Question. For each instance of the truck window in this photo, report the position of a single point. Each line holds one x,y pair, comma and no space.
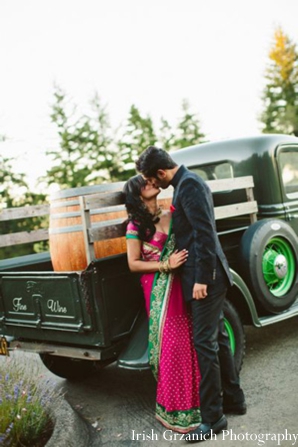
214,171
288,161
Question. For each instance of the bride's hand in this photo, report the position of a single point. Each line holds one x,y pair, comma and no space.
178,258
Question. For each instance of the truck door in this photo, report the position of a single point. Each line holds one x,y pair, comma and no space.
287,162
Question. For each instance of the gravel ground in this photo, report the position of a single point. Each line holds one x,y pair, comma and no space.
120,403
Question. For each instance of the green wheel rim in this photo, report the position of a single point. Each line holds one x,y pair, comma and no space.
231,335
278,266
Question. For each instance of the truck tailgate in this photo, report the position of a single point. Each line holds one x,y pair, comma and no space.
95,307
44,300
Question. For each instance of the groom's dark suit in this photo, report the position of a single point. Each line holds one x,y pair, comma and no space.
194,229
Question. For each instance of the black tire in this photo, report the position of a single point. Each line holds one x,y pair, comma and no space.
235,331
269,263
68,368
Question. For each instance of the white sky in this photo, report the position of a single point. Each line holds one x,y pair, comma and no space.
149,53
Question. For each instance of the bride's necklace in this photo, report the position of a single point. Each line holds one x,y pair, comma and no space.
156,215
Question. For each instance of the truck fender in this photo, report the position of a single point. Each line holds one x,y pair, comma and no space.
240,284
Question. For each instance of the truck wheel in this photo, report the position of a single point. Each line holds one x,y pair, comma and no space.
269,263
68,368
235,331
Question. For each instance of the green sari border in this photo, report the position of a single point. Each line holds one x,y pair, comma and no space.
160,294
179,420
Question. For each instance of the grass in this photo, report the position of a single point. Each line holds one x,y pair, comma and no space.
27,400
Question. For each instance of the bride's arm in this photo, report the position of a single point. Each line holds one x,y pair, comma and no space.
136,264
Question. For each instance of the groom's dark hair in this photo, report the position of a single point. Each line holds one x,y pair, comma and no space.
153,159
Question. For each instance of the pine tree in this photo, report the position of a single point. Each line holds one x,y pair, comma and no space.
84,155
14,192
135,136
188,130
280,96
166,135
10,182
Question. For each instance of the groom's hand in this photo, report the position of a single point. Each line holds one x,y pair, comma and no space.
199,291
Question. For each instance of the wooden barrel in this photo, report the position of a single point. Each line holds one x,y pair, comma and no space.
66,233
67,247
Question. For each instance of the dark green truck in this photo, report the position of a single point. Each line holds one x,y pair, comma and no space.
79,321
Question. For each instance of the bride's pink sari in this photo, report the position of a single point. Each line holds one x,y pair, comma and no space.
172,356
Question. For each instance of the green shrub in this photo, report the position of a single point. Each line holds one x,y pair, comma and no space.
27,400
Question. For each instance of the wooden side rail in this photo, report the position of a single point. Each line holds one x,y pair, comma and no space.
23,237
23,212
113,202
110,200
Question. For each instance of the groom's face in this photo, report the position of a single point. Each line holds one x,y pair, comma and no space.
160,181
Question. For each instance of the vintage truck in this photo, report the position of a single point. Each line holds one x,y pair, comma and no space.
80,308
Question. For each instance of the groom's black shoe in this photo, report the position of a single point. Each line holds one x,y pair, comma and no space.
205,430
239,408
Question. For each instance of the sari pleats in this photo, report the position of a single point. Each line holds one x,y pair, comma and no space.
171,353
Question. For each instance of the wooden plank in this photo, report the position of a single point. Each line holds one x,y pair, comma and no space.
111,229
24,212
112,202
250,198
87,190
249,194
24,237
86,223
231,184
102,200
237,209
108,230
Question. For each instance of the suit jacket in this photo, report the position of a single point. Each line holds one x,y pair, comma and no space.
194,229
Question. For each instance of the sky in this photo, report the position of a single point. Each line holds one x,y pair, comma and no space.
152,54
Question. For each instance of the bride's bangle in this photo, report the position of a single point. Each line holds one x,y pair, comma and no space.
169,265
164,266
161,266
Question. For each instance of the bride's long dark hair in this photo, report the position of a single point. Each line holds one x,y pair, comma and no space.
136,210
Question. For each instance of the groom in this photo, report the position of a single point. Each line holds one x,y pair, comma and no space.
205,279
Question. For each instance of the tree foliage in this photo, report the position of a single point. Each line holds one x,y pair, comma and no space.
280,96
188,130
84,155
136,134
166,135
15,192
12,184
91,152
